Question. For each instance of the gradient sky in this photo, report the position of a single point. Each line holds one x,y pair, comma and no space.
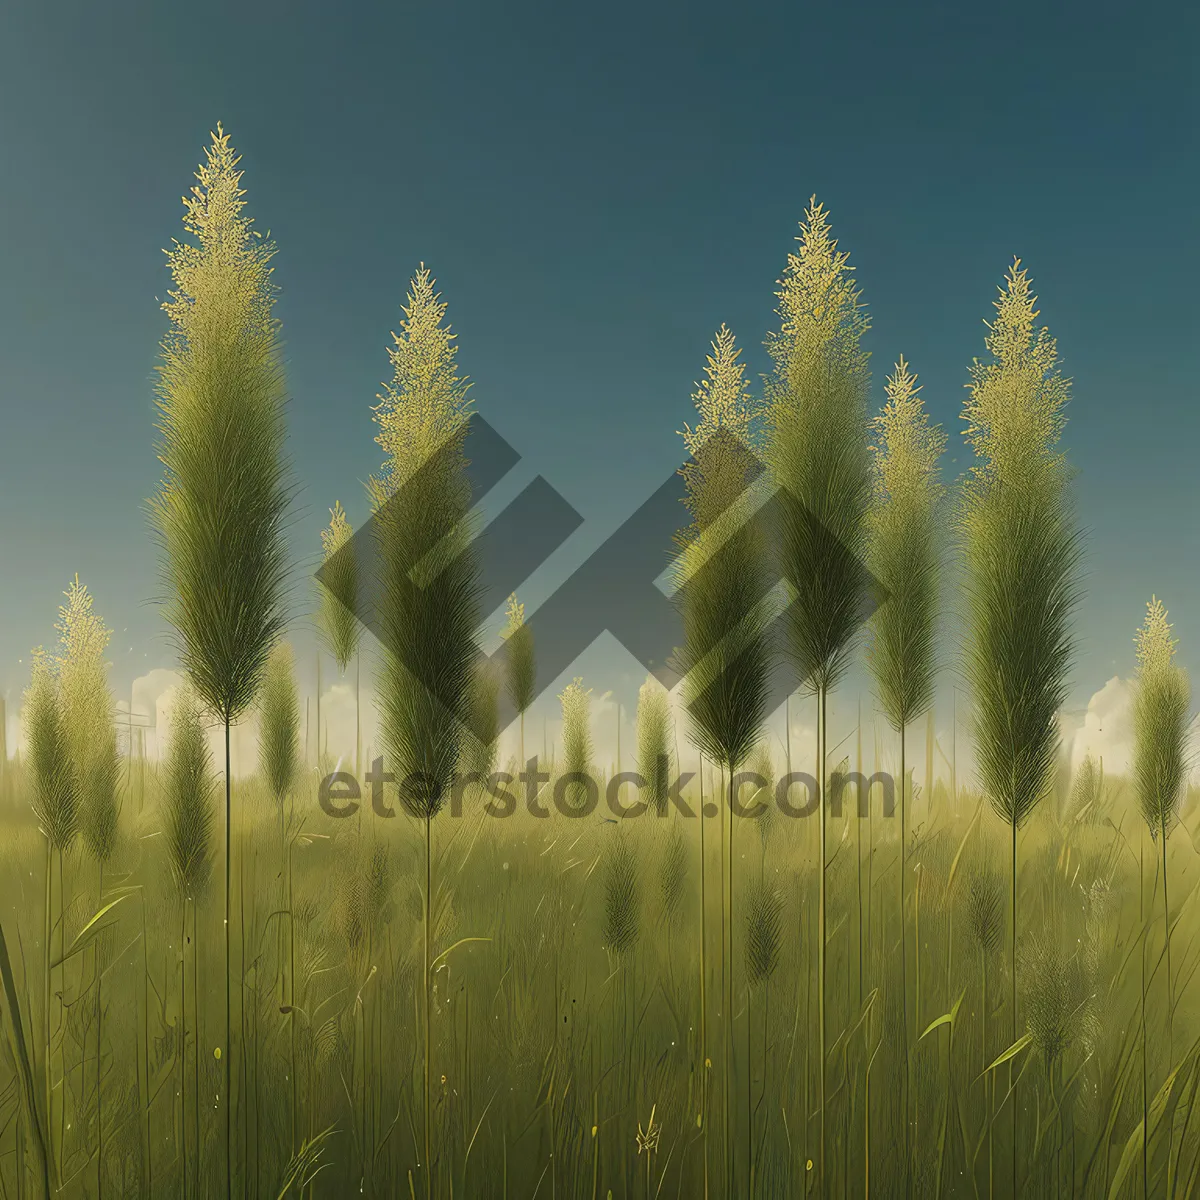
596,190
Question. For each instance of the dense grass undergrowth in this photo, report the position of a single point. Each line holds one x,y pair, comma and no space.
566,1020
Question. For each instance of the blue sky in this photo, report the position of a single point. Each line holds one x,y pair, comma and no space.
596,191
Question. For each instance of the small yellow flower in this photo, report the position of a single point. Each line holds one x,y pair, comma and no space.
594,1128
217,1052
808,1165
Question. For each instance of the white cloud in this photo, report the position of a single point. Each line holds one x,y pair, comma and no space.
1107,728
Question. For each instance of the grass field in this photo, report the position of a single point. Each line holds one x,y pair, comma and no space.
551,1048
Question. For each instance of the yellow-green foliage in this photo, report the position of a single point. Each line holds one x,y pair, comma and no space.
904,549
654,736
721,570
520,657
817,448
428,612
426,402
279,723
88,713
1160,721
220,510
339,624
576,702
1021,547
55,784
188,791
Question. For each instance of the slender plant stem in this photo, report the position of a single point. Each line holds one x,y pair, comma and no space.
1145,1093
228,1078
196,1042
823,1181
100,1047
428,1005
905,1099
987,1081
49,1081
729,995
183,1043
1013,997
703,987
1162,829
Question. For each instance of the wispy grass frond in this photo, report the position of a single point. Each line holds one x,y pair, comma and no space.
224,497
1021,546
222,503
1087,792
1015,413
721,568
339,625
1057,990
576,702
724,597
88,713
985,909
817,398
1160,722
279,723
521,675
764,932
430,592
188,792
426,402
1022,550
622,896
55,784
655,729
673,871
905,550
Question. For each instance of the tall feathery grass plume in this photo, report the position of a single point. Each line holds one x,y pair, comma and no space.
520,664
89,717
189,822
724,586
189,816
904,552
429,589
48,755
655,730
279,725
1021,549
1162,698
221,507
575,702
818,453
338,624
